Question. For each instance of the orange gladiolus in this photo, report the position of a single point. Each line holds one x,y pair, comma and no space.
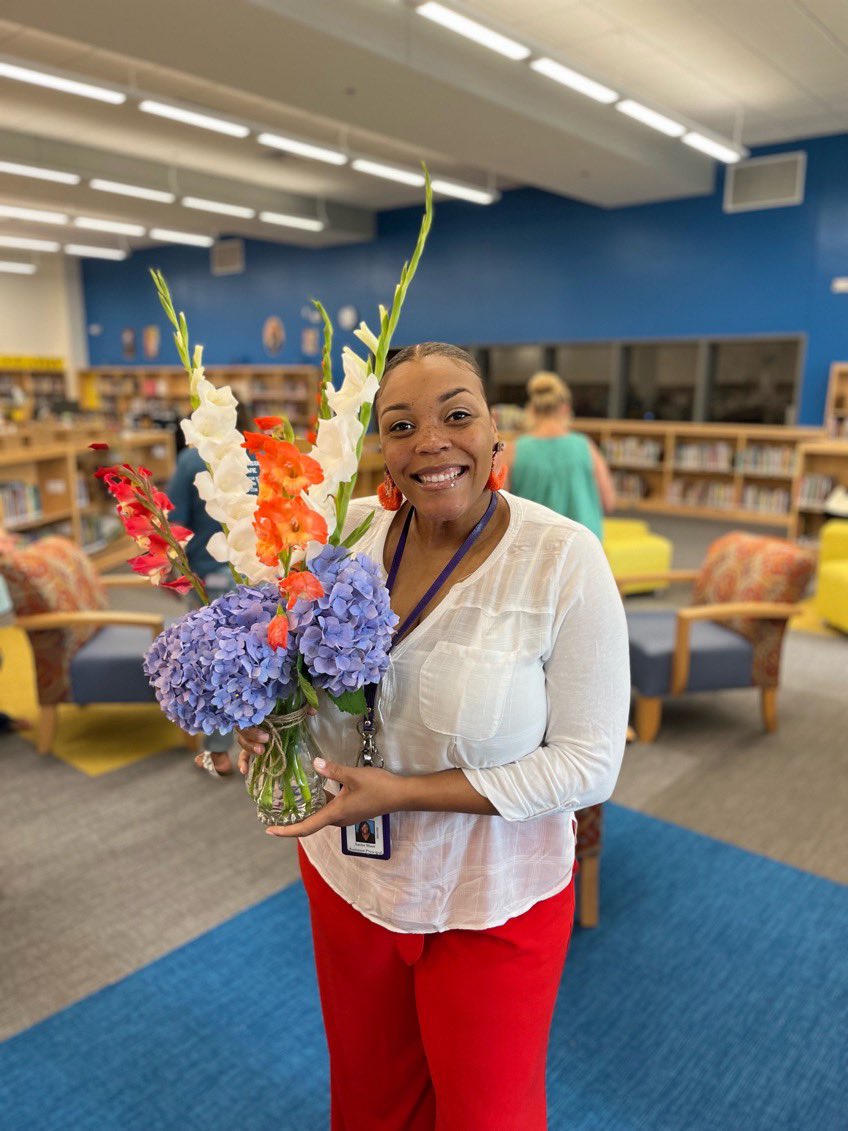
278,631
283,524
300,583
281,466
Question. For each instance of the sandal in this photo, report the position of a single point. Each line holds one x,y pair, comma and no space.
205,763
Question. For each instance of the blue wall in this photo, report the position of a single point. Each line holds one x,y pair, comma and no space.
534,267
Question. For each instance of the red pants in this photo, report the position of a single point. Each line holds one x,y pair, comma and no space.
438,1032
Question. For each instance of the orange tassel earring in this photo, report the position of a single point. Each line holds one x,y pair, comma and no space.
389,493
497,478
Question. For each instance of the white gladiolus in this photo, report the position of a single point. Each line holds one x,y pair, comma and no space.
366,336
359,387
225,487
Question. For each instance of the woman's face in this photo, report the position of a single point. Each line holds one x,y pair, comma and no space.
437,435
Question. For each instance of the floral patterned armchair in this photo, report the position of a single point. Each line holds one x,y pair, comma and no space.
730,636
83,652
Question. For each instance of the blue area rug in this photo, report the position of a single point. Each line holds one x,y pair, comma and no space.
713,996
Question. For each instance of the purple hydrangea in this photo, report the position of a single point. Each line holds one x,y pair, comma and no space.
345,635
213,669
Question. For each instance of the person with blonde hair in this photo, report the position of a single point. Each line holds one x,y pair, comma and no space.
555,466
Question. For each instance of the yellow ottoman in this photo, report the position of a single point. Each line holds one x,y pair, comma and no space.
832,594
632,548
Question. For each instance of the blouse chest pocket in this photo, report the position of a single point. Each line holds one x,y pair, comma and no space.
463,690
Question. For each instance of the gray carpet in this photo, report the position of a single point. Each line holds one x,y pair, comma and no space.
99,876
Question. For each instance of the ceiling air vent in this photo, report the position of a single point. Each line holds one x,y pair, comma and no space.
765,182
226,257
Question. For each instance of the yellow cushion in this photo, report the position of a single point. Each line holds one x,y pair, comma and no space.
615,528
832,594
645,553
834,541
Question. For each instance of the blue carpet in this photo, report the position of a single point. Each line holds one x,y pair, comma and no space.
712,996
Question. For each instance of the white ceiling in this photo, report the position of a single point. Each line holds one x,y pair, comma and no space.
375,79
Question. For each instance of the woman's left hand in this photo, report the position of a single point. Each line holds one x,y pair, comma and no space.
368,793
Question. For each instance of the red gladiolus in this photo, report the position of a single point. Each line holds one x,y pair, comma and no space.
301,583
155,567
179,585
312,437
99,447
278,631
266,423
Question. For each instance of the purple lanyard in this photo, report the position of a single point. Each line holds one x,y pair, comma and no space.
367,724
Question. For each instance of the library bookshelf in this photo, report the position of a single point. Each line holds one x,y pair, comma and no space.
47,485
736,473
758,475
822,466
29,385
264,390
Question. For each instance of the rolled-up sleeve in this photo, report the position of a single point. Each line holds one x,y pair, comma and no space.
587,686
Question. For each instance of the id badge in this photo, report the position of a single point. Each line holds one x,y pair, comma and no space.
368,838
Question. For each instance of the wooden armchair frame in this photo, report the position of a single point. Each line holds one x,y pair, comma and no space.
649,708
48,716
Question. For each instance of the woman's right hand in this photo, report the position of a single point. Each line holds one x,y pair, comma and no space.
252,741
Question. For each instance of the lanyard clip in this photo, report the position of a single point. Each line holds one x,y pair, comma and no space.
369,755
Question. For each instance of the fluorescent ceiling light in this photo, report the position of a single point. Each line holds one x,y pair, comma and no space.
651,118
303,149
16,170
24,243
115,226
193,118
214,206
453,21
713,148
556,71
56,82
94,252
190,238
132,190
12,268
388,172
464,192
303,222
36,215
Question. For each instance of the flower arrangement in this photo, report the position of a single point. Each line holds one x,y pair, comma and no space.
307,612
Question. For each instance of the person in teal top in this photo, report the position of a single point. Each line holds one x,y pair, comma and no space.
552,465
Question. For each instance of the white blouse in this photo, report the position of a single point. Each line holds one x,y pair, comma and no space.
519,677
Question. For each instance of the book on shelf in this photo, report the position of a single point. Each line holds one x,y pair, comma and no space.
647,452
710,496
771,459
814,489
766,500
716,455
20,502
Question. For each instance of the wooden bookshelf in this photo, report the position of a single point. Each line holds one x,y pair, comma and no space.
750,474
822,466
30,386
138,391
50,488
836,404
735,473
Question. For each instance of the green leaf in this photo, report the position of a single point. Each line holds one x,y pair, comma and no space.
356,534
353,702
307,689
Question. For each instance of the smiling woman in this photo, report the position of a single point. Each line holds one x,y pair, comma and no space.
502,713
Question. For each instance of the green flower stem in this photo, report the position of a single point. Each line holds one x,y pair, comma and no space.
324,411
377,365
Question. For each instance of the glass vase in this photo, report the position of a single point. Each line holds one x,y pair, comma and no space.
281,780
